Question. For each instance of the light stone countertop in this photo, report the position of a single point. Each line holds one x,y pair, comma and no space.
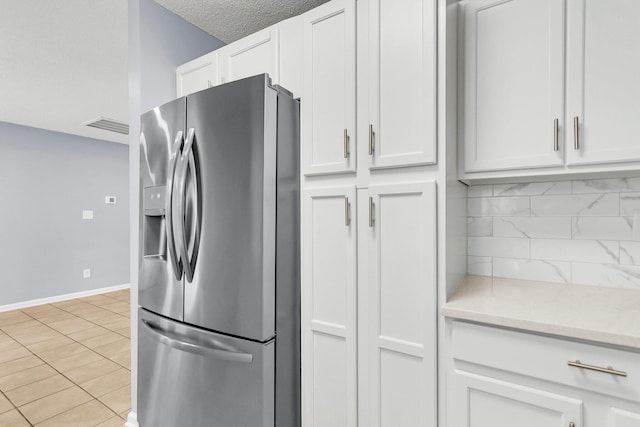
599,314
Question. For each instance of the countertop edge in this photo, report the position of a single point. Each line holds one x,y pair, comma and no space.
525,325
491,300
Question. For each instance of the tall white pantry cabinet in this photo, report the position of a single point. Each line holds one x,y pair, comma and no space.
371,175
369,214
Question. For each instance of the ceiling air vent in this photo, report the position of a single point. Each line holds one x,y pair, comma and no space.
108,124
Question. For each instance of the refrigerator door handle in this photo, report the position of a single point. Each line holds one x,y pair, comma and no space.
188,254
211,350
171,244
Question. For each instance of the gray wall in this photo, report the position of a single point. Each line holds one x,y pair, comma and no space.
166,41
159,41
46,180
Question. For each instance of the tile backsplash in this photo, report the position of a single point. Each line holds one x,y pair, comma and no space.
583,232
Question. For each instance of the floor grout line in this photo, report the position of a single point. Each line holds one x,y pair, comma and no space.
15,407
61,373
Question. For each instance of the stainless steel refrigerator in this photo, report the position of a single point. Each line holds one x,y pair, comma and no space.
219,283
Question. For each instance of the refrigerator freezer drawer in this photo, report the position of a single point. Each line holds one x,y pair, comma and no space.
191,377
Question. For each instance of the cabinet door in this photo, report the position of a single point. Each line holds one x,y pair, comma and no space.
622,418
196,75
487,402
513,84
603,88
290,35
401,305
402,83
328,108
251,55
329,373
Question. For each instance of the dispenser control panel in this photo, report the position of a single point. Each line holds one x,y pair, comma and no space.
154,200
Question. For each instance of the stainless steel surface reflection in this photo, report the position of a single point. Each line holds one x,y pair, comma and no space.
219,328
159,289
196,378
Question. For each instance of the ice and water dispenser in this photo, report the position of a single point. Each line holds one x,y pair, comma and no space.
154,234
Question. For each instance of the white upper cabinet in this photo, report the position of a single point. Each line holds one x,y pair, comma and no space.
329,307
401,44
523,111
513,84
276,50
197,75
400,307
328,107
603,81
251,55
290,36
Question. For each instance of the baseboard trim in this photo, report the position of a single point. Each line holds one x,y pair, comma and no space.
132,420
58,298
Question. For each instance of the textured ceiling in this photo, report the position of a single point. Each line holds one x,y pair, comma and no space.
230,20
63,62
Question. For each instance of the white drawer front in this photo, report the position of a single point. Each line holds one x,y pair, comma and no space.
547,358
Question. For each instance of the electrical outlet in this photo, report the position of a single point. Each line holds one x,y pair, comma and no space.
110,200
86,273
87,214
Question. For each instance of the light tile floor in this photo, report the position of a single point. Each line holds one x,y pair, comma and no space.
66,364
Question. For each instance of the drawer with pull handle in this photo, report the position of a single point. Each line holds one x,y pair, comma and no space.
600,369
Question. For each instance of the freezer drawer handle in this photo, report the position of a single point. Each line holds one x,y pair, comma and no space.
199,349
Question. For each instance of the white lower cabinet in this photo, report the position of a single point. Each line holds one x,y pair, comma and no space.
369,345
500,377
329,353
397,302
488,402
622,418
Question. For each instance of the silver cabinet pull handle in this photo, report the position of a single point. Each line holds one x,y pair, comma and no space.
347,217
370,211
346,144
572,424
576,133
556,126
372,148
607,370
